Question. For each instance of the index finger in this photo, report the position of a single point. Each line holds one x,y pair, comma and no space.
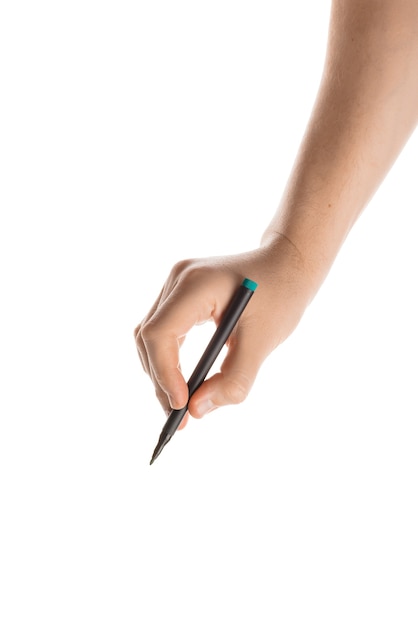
163,333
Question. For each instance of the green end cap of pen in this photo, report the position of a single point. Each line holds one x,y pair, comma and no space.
250,284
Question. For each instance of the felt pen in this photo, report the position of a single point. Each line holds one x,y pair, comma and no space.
229,319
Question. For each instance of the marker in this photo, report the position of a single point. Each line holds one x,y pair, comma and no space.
215,345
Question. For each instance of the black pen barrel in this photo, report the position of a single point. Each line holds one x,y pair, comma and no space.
215,345
173,421
229,319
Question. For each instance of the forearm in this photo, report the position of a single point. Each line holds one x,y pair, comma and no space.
366,108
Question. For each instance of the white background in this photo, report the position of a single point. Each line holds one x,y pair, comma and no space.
133,135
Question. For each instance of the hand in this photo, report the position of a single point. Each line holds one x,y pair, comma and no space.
198,290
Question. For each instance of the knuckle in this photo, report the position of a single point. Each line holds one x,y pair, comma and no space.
192,272
181,267
236,390
183,271
149,331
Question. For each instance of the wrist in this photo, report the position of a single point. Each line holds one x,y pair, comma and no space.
306,266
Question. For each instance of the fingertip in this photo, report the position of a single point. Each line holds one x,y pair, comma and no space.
178,397
199,407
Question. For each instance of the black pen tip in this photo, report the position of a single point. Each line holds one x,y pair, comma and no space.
156,453
160,445
154,456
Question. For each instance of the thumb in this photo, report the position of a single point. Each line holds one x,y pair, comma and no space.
232,384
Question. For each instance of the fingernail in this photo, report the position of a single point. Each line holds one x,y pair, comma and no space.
205,406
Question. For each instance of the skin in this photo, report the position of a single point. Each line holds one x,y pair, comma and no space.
366,109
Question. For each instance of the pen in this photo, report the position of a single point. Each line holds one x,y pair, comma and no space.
230,318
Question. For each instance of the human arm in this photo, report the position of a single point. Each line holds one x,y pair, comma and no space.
366,108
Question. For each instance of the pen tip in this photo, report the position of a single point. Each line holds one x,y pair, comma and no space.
164,439
154,456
